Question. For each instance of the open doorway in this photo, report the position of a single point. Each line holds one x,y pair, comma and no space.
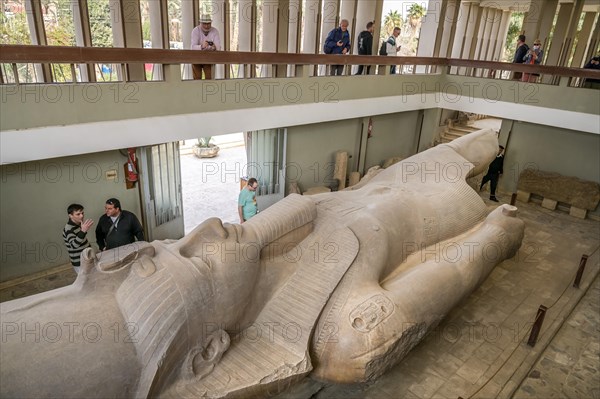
210,186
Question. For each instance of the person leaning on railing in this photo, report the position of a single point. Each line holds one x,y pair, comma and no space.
592,83
205,38
533,56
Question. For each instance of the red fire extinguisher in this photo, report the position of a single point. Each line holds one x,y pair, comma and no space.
132,170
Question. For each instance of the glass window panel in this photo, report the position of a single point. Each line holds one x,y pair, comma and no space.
14,28
100,23
175,30
58,22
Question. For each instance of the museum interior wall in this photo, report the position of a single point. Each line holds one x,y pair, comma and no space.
546,148
33,203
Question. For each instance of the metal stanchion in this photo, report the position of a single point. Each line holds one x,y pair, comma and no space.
582,263
513,199
537,325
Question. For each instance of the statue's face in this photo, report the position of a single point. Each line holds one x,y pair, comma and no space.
228,265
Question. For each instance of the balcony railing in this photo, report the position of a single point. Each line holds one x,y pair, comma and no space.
53,64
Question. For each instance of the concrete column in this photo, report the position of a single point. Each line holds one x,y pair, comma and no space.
571,33
37,33
483,16
295,12
444,25
449,32
283,28
159,31
533,18
294,33
116,23
311,18
159,24
546,22
83,36
557,47
216,9
268,39
246,13
502,32
429,28
584,40
348,10
472,28
244,25
365,12
431,24
127,32
487,33
461,30
494,36
594,45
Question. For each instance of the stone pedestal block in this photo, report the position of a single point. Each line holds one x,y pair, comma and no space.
567,189
549,204
354,179
523,196
578,212
341,165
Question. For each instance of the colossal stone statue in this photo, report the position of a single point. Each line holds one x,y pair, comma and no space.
340,285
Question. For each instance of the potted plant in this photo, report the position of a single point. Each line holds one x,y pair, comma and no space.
205,149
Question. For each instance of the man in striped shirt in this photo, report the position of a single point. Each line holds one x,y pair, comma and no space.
75,233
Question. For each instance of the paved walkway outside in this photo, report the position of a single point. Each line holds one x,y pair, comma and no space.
211,185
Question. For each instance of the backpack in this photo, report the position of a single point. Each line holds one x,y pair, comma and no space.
361,42
333,33
383,48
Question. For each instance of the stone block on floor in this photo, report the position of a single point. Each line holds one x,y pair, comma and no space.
523,196
549,204
578,212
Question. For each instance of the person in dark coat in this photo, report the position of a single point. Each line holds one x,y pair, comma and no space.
493,174
592,83
522,49
338,42
117,227
365,45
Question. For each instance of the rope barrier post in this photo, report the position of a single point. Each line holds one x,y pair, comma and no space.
513,199
582,263
537,326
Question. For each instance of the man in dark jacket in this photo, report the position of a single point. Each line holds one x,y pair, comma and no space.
520,52
338,42
592,83
117,227
365,46
493,174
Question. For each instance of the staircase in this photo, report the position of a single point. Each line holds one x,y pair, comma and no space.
457,128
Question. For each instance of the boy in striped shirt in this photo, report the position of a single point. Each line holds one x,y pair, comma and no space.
75,233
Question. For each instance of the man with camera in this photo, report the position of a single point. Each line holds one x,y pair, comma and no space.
205,38
338,42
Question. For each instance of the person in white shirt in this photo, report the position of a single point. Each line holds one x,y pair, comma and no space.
205,38
392,47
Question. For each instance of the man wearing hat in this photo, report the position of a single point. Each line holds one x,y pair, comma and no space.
205,38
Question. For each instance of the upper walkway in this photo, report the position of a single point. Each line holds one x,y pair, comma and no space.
39,120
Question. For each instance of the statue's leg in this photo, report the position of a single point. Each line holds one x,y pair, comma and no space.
378,322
